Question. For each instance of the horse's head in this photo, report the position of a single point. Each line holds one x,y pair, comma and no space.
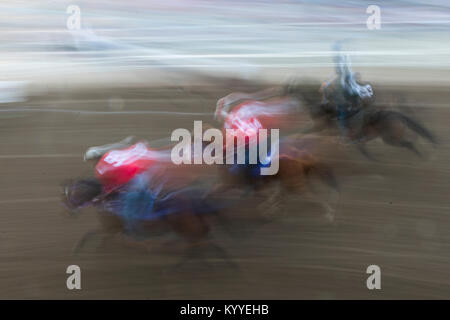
79,193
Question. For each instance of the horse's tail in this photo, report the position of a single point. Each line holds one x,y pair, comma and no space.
414,126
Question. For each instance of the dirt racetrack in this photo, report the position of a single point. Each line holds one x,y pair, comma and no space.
395,214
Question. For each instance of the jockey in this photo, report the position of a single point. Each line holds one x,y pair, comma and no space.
118,163
245,122
245,126
135,174
118,167
251,115
142,183
271,112
344,94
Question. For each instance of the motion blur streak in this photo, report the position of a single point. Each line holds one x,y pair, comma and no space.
363,175
237,37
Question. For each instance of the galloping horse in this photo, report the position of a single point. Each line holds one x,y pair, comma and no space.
365,124
163,198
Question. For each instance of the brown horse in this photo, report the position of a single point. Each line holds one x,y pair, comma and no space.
297,164
298,169
189,219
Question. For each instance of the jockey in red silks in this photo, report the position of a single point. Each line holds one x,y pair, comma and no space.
253,114
116,168
248,118
119,163
143,182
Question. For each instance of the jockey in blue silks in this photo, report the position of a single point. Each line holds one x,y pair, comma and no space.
344,94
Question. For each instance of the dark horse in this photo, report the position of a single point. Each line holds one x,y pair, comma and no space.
365,123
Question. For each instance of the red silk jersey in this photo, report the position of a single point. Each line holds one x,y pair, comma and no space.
250,116
244,118
247,118
245,122
117,167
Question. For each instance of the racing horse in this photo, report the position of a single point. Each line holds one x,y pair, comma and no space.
157,201
365,124
298,168
247,113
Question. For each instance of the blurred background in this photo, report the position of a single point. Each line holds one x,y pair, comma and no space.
55,42
79,73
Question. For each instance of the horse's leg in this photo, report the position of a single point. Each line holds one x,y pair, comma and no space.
403,143
227,181
110,225
201,252
218,189
411,146
325,173
194,230
393,131
85,238
223,254
226,223
328,211
105,237
394,135
317,126
363,149
290,179
273,205
305,188
327,177
325,208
